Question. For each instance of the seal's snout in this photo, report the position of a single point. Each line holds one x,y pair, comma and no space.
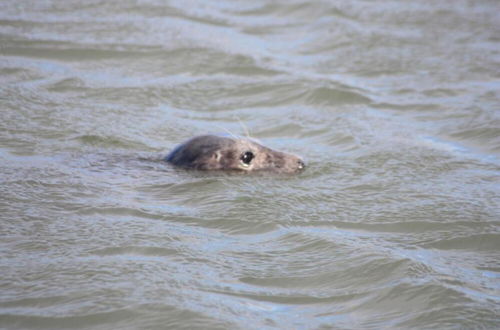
301,165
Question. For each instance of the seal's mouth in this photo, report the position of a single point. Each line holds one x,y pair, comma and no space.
301,165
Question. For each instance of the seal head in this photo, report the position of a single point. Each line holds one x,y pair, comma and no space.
211,152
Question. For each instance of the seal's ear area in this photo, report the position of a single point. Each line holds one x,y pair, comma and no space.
217,156
209,161
228,159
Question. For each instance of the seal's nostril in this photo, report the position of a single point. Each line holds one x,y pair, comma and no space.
300,164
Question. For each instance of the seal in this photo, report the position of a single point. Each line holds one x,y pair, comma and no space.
211,152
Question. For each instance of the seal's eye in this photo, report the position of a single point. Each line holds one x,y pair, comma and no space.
247,157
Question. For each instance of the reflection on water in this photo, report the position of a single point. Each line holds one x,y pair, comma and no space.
394,224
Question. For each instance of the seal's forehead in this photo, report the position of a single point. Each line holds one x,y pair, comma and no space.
245,144
211,141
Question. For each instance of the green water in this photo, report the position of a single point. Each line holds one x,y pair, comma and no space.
394,105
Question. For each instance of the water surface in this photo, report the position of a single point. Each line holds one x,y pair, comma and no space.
394,105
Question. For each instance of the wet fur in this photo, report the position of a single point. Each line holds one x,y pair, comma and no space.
210,152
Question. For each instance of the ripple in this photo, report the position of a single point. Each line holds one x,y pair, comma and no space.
329,96
393,106
145,251
107,142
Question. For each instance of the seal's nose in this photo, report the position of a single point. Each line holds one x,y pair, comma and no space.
300,164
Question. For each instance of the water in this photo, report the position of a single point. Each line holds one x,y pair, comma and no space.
394,105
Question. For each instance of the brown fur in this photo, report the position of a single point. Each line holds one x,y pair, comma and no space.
210,152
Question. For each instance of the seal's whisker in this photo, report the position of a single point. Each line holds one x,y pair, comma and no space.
245,128
234,137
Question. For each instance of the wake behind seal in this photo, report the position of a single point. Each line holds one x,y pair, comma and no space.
211,152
